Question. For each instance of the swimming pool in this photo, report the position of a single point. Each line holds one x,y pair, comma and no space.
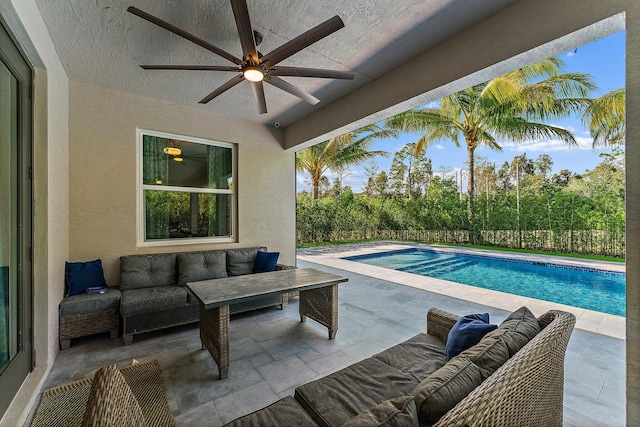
588,288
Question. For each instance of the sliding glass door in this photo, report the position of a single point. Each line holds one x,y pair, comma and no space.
15,221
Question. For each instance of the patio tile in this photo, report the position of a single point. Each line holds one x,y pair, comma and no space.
286,373
244,401
203,415
331,362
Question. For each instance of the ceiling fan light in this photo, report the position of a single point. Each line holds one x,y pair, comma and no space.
178,159
253,73
172,151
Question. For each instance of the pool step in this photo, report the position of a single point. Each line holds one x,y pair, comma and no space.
441,268
431,264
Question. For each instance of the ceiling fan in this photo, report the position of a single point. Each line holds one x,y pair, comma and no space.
253,66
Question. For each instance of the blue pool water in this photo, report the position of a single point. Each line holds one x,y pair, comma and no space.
578,287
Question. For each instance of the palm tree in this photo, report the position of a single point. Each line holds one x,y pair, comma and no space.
606,118
340,152
514,107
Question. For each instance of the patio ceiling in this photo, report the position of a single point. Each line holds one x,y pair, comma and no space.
100,43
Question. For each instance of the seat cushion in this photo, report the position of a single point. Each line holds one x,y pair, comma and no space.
335,399
240,261
111,401
284,413
147,271
146,299
85,303
398,412
419,356
195,266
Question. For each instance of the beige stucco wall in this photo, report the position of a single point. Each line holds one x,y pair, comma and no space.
103,187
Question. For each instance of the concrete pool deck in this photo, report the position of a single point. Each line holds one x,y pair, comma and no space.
588,320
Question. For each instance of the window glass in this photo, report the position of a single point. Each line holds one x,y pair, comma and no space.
187,188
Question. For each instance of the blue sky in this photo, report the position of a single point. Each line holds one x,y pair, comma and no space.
603,59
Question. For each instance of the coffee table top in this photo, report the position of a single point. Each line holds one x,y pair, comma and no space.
229,290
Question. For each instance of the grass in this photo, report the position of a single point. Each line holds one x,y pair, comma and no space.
493,248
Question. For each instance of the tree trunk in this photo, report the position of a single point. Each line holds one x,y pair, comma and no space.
315,188
470,192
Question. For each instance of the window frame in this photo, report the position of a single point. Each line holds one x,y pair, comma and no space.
141,225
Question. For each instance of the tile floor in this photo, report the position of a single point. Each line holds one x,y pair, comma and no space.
272,353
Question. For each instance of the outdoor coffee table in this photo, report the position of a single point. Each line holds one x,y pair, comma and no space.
318,301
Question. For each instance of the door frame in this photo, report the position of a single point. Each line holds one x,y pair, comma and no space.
19,367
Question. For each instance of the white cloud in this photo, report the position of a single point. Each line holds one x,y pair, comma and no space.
440,147
570,54
584,143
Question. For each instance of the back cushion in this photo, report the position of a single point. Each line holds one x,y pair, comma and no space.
240,261
447,386
517,329
195,266
145,271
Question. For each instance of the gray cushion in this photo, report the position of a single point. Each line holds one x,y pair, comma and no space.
195,266
240,261
443,389
161,297
340,396
398,412
146,271
517,329
419,356
84,303
285,412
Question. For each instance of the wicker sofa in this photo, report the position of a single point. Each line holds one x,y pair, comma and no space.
153,291
152,294
513,377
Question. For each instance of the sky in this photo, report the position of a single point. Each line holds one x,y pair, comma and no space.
603,59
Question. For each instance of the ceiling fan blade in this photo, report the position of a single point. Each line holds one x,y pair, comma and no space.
245,31
190,67
311,72
293,90
175,30
258,91
305,39
228,85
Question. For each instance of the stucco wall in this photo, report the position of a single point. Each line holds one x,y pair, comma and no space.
103,187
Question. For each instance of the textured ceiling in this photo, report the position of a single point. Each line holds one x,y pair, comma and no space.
100,43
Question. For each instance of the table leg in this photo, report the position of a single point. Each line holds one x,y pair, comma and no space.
214,335
321,305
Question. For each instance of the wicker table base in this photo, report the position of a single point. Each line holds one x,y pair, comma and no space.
318,301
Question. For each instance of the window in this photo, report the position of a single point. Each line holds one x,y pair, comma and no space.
187,189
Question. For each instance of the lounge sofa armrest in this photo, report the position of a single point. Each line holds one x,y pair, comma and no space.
440,322
282,267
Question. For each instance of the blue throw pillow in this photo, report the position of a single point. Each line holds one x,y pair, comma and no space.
82,275
467,332
265,261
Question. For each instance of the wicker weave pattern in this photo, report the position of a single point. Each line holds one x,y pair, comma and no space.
214,334
64,406
527,389
321,305
80,325
440,322
111,401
